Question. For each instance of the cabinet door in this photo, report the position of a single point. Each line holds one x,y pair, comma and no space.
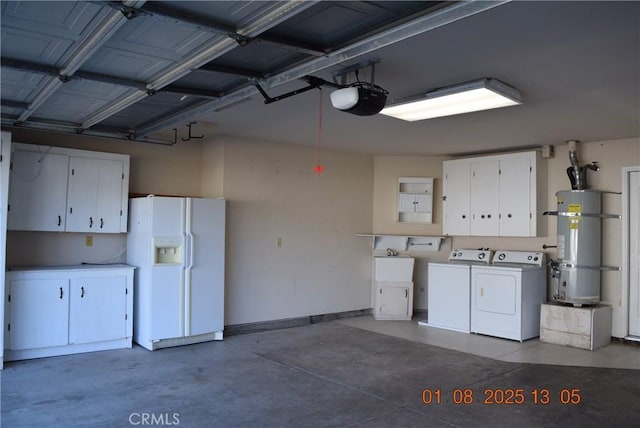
38,191
406,202
109,192
39,313
456,205
95,195
97,309
423,203
393,301
82,198
515,196
485,188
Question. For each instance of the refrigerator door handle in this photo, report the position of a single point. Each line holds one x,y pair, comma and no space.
188,265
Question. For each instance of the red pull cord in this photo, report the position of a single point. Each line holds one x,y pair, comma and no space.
319,168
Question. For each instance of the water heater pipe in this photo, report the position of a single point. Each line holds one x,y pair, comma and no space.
577,174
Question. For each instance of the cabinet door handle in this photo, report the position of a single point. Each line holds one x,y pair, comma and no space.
101,222
82,292
464,216
59,220
61,292
509,215
90,222
488,215
406,293
482,216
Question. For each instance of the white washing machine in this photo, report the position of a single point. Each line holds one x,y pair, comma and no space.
449,290
506,295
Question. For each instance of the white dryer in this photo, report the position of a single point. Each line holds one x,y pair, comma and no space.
506,295
449,290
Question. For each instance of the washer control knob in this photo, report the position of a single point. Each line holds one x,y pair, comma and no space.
530,258
501,256
535,259
481,256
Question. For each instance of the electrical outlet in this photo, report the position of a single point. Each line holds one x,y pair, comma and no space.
88,241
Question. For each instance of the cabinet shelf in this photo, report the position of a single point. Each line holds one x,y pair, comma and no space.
405,242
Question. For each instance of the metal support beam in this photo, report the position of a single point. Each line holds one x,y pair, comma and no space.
278,12
419,25
14,104
161,12
32,67
86,47
67,128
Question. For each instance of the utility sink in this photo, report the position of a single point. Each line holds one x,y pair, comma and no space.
394,268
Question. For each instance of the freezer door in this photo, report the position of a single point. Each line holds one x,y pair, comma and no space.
166,302
204,291
168,217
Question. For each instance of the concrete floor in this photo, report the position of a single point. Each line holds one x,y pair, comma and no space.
614,355
322,375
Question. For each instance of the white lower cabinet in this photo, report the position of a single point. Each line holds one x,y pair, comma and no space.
66,310
393,294
39,311
394,301
97,309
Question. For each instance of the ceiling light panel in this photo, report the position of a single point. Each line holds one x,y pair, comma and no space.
478,95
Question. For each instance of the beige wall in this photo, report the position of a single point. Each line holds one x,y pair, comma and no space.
272,192
612,156
321,266
385,191
212,169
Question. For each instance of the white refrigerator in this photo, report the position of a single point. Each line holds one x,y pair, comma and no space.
178,248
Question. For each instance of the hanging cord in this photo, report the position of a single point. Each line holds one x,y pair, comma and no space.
319,168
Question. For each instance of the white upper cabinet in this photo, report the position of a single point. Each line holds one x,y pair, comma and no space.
484,197
415,199
517,207
498,195
456,200
94,201
68,190
37,190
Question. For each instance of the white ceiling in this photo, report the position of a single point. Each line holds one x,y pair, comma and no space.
576,64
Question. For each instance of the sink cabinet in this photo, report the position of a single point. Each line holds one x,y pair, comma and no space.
393,292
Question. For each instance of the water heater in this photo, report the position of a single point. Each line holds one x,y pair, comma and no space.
579,235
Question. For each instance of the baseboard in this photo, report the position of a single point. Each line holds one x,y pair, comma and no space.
419,313
255,327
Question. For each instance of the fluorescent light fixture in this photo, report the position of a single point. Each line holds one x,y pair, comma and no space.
478,95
